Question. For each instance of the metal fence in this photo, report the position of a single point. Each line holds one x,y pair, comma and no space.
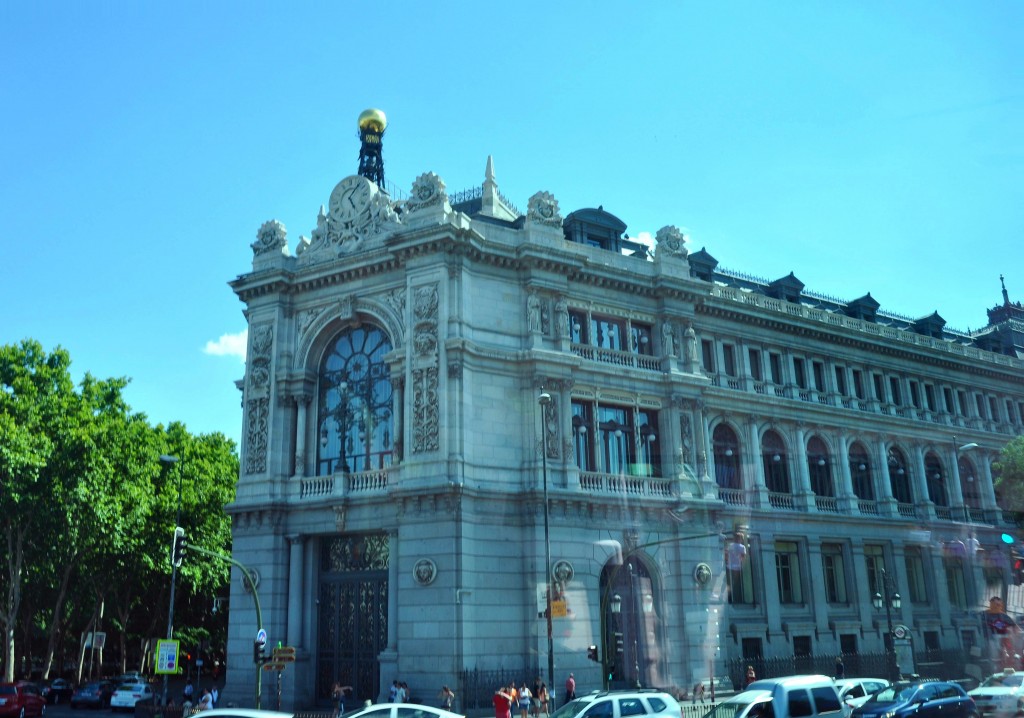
476,686
946,664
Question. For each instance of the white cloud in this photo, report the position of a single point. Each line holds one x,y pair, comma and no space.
229,345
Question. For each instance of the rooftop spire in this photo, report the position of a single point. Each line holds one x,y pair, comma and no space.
1006,296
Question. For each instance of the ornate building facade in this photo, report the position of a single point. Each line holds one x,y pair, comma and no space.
733,466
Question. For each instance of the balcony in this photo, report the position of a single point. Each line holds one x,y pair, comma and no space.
622,484
363,483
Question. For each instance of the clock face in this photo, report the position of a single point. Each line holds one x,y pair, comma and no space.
350,200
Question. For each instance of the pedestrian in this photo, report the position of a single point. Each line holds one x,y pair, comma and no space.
214,696
404,696
205,701
524,701
338,697
751,676
570,688
186,696
447,697
393,692
544,698
502,703
698,691
840,668
535,705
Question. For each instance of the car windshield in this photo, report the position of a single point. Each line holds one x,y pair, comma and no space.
572,708
728,709
1003,680
893,694
7,691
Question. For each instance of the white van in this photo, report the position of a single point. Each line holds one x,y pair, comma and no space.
789,697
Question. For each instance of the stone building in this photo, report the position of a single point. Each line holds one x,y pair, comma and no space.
733,466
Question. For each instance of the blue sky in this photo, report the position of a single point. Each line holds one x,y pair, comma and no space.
864,146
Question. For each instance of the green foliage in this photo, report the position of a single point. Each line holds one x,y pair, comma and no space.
80,474
1009,477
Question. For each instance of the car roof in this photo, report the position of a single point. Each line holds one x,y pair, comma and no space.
792,681
245,713
750,696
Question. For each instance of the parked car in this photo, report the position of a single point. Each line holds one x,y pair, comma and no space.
1000,695
617,704
747,704
855,691
393,710
245,713
130,677
128,695
59,691
919,699
21,700
807,696
93,695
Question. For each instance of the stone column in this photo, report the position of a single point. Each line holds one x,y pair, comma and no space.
955,488
758,488
393,560
883,482
296,599
847,499
920,479
301,411
805,496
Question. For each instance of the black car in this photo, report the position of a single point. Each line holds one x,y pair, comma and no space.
920,699
59,691
93,695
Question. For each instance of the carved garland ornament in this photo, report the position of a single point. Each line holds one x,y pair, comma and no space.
257,407
425,370
542,208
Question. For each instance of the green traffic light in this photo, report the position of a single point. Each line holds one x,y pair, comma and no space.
1008,539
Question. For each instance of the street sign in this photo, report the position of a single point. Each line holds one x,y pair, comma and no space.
284,654
261,637
558,609
274,666
166,657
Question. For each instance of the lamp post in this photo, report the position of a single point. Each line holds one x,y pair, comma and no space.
891,602
544,399
167,461
957,450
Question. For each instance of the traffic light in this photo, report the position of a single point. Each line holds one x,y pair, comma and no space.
592,654
1017,566
618,643
178,547
257,653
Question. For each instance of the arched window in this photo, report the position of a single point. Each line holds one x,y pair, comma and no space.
899,477
860,472
355,414
936,480
726,449
776,463
969,483
819,467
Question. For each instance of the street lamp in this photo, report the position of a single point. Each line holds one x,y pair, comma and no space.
166,462
544,399
957,450
892,602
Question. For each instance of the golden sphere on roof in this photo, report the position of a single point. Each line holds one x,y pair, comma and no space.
372,120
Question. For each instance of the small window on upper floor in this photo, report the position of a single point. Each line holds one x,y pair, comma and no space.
915,394
894,389
858,383
841,380
608,333
578,327
961,397
707,355
756,370
993,408
799,372
929,396
979,400
818,369
775,364
729,359
1010,414
879,387
640,339
947,397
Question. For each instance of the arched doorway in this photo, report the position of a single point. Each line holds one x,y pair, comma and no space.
632,631
353,613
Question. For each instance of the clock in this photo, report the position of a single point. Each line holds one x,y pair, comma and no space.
350,200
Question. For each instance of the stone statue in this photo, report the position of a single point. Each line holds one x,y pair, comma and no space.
562,317
689,349
533,312
667,339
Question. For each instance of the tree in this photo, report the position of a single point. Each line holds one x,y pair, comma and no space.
1009,483
80,475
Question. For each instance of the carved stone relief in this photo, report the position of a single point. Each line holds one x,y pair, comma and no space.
426,412
257,407
671,242
271,237
542,208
